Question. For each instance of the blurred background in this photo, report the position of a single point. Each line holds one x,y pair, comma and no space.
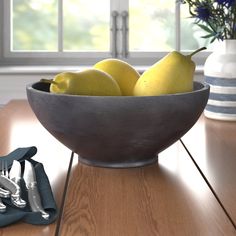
86,25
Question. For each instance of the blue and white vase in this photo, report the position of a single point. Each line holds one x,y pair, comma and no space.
220,74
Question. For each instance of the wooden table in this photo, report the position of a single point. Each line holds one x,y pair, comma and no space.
190,191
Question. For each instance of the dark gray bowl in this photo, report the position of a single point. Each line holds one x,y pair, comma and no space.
117,131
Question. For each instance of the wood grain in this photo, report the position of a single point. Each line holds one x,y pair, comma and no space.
212,144
169,198
20,128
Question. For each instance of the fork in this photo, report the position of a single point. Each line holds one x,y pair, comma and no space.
10,185
3,192
4,168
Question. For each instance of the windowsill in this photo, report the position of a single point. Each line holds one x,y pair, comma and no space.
12,70
37,69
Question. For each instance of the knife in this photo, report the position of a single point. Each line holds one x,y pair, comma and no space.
15,176
33,193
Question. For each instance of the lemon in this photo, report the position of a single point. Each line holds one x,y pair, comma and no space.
91,82
124,74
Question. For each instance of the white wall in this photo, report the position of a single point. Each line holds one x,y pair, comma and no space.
14,79
14,86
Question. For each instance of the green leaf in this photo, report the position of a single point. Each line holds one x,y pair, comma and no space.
213,39
208,36
205,28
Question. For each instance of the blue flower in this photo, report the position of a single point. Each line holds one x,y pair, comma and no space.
226,2
216,17
203,13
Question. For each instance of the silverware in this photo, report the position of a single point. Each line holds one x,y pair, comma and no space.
10,185
4,193
33,193
15,176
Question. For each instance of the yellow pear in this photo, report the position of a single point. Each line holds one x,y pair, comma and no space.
124,74
86,82
172,74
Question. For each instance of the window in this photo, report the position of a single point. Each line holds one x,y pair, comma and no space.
83,31
46,26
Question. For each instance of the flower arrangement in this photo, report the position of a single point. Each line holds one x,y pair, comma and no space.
216,17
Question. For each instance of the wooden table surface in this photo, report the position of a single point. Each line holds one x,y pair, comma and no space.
212,145
190,191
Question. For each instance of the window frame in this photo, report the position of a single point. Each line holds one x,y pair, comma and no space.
40,54
80,57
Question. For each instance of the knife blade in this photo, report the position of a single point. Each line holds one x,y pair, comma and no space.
15,176
32,188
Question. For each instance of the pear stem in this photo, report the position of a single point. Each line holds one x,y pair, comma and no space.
49,81
196,51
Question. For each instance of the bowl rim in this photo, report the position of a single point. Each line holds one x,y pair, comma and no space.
204,87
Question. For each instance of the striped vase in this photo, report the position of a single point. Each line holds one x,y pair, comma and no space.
220,74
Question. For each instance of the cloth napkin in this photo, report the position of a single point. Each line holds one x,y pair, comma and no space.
14,214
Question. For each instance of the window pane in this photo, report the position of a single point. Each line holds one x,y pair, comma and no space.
86,25
191,34
34,25
151,25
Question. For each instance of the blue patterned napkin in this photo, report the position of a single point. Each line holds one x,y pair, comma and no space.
14,214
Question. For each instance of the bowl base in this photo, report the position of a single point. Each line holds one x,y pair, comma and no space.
118,164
